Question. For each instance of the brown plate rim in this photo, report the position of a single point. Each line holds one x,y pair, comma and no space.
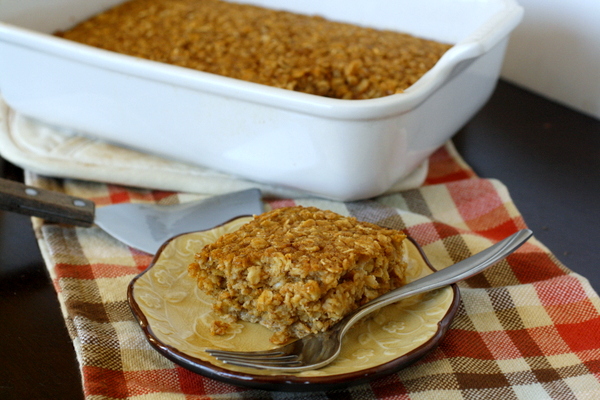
290,383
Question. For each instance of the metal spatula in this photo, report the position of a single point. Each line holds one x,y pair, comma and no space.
142,226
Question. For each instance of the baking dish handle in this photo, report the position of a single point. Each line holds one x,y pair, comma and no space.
497,28
463,53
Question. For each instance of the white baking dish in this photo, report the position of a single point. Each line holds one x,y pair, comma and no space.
342,149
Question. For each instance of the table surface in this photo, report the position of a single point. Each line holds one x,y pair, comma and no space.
547,155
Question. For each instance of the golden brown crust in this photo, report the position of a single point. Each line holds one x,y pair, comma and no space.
298,270
219,328
282,49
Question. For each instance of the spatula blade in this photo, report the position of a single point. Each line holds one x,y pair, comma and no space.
147,226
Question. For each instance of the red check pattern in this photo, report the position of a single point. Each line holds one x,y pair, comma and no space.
527,328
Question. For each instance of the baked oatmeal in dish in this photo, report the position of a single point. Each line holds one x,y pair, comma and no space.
292,51
298,270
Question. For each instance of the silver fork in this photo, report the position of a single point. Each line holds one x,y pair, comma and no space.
318,350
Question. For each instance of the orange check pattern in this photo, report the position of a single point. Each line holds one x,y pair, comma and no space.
527,328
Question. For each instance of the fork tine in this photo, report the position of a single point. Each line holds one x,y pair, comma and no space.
265,361
278,358
263,364
248,354
255,359
259,359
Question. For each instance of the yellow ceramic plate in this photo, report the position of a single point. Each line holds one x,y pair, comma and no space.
176,316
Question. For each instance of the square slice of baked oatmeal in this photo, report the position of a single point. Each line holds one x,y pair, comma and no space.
298,270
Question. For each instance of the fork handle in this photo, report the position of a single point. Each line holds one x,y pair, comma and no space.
447,276
46,204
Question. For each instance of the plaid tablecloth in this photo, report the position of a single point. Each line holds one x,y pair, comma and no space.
527,328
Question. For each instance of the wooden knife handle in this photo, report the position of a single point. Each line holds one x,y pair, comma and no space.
46,204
